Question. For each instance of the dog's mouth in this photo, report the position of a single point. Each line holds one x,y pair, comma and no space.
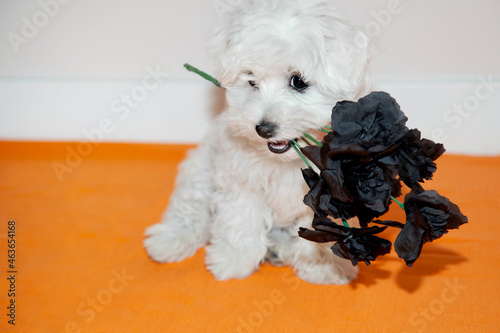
279,147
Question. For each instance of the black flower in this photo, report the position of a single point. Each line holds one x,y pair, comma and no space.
428,217
322,201
358,159
351,182
362,162
416,158
375,119
355,244
372,185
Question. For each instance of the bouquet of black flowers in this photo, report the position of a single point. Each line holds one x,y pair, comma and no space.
366,154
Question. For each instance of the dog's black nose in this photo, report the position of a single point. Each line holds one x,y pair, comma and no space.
266,130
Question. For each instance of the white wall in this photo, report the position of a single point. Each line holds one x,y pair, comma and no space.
74,71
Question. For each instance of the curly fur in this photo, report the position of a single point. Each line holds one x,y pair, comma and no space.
233,193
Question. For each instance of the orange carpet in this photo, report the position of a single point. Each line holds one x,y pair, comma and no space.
80,211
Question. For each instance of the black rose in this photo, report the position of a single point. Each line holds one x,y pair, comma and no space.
362,162
355,244
322,201
352,183
416,158
372,185
428,217
375,119
358,160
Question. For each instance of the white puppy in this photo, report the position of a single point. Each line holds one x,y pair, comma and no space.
284,64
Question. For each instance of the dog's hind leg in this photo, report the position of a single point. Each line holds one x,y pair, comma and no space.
184,226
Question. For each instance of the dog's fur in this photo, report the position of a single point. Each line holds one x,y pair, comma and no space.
233,193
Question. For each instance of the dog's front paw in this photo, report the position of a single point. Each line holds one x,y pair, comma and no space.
226,262
167,244
317,264
328,272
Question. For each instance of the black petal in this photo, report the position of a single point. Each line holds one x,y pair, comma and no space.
374,119
310,176
355,244
428,217
362,248
317,236
416,158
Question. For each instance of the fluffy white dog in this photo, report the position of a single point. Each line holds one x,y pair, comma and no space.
284,64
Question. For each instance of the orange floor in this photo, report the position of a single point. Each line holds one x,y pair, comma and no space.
81,266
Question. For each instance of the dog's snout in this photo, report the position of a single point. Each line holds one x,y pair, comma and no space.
266,130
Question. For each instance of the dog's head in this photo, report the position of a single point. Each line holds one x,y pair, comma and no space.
284,65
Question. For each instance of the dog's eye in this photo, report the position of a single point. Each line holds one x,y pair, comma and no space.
252,83
297,83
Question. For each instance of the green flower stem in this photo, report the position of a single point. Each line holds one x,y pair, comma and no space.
296,146
310,137
325,131
345,224
329,128
202,74
399,203
305,140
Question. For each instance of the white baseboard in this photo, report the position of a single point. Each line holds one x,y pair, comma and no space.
463,113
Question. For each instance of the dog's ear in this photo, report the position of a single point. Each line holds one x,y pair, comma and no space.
360,49
219,40
349,50
224,41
